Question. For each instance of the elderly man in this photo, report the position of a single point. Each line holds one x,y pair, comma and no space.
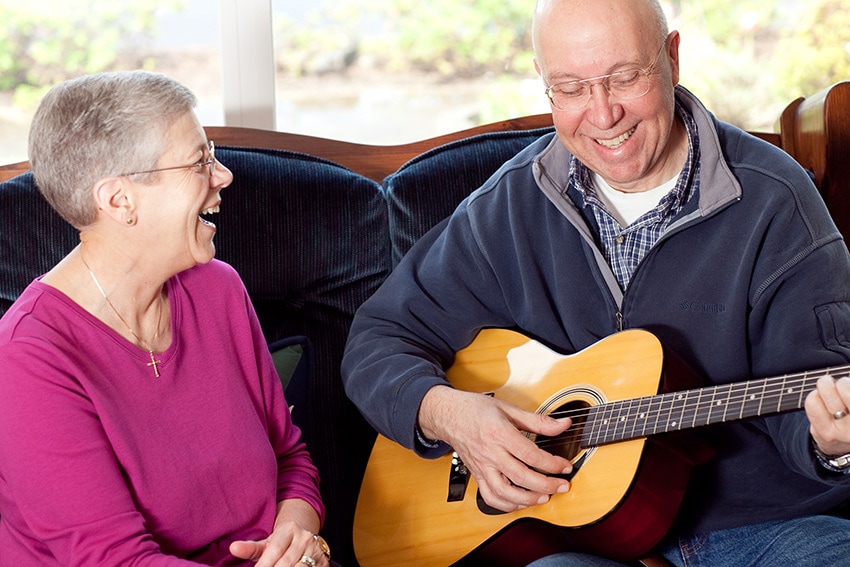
641,205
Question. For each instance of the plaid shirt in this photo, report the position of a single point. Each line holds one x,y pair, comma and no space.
624,248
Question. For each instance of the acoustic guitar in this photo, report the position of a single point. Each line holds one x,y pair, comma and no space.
626,485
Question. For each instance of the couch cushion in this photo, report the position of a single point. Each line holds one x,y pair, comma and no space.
429,187
293,361
33,237
290,357
310,240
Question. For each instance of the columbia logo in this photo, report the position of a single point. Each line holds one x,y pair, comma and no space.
702,307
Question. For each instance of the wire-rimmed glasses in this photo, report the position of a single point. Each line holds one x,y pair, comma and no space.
209,163
624,85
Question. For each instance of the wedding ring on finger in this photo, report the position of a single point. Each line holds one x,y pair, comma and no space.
323,545
839,414
307,560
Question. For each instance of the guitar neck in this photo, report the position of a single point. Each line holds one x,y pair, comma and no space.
674,411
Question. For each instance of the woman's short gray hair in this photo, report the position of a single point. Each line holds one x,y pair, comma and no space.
98,126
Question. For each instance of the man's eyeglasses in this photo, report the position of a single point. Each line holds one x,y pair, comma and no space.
624,85
209,163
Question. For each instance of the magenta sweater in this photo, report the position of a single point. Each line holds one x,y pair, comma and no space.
101,463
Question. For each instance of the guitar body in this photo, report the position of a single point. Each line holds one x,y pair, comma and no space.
622,500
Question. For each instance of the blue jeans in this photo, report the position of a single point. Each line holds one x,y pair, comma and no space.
814,541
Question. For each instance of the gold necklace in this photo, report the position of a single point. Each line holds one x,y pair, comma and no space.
154,362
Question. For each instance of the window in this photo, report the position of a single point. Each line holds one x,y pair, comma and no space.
45,41
392,71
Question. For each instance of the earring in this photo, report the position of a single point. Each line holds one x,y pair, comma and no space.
130,220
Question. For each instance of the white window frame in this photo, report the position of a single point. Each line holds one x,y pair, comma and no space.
248,67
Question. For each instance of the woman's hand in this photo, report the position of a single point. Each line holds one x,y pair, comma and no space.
284,547
292,543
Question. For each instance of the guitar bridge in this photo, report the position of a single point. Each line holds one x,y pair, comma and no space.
458,479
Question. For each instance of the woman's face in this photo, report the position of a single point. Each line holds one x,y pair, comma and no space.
170,209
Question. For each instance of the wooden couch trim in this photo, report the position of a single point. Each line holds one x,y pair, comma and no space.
372,161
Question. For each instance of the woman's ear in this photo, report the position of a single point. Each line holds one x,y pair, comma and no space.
112,197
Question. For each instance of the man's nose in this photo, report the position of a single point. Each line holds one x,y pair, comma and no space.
602,107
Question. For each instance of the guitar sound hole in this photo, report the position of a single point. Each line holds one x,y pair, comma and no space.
567,444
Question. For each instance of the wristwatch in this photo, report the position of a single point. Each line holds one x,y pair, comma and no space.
323,545
835,463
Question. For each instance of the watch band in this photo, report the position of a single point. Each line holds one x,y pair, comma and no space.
834,463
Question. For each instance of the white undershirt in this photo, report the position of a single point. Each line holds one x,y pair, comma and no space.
626,208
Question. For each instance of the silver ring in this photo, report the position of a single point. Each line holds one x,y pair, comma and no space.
307,560
839,414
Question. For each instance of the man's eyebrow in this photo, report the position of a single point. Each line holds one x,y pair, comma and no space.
565,77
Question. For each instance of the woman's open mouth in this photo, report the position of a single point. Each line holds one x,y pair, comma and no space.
209,211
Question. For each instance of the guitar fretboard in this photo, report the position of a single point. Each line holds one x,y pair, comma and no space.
641,417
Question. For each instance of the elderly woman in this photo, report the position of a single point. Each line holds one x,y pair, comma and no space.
141,418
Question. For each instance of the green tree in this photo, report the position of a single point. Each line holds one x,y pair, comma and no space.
43,42
460,38
449,37
816,52
748,58
725,55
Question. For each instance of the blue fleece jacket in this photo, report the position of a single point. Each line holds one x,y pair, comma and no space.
752,279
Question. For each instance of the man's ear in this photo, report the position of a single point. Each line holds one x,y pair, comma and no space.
112,197
673,54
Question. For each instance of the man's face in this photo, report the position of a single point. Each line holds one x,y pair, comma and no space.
626,142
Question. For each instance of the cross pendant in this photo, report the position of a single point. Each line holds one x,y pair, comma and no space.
154,363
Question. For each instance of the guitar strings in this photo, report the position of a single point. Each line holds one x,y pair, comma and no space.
620,422
616,416
770,389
